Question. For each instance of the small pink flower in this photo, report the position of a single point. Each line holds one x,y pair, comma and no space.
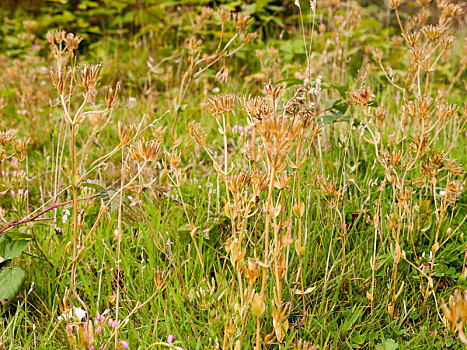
69,328
102,319
124,344
91,347
170,339
107,311
99,330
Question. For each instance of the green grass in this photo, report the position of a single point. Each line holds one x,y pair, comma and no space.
159,263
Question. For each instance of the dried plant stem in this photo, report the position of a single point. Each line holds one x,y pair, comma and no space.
266,254
74,175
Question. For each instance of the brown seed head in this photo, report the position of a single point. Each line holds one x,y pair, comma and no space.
224,14
197,132
111,96
241,21
174,158
433,33
72,41
60,78
220,104
6,138
274,91
360,96
411,39
88,76
394,3
125,134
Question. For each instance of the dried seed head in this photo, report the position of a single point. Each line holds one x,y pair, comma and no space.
158,132
6,138
377,55
257,109
360,96
72,41
174,158
30,26
306,117
446,111
454,168
220,104
197,132
447,41
394,3
433,33
125,134
147,150
20,147
419,144
111,96
249,37
88,76
60,79
274,91
241,21
239,182
379,113
224,14
222,75
193,43
260,182
411,39
418,53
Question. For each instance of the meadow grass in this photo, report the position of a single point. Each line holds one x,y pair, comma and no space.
243,188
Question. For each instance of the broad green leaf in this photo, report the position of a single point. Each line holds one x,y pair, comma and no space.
11,279
10,249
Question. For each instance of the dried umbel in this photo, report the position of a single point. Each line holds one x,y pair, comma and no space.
174,158
197,132
20,147
60,79
224,14
433,33
88,76
241,21
278,134
220,104
256,108
360,96
239,182
454,168
446,111
6,138
379,113
111,96
126,133
274,91
147,150
72,41
411,39
455,312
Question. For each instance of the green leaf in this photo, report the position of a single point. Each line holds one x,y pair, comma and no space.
387,344
10,249
94,184
11,280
